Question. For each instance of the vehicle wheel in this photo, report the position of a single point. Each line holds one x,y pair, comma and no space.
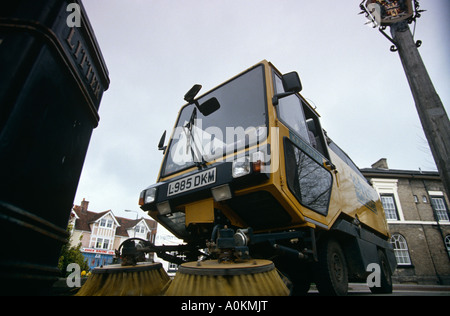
332,272
385,276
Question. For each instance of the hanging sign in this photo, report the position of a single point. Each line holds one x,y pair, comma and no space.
388,12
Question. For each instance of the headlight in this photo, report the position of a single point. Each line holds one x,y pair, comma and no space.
147,196
221,193
241,167
164,208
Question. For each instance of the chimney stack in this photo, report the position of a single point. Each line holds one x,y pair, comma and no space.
84,206
381,164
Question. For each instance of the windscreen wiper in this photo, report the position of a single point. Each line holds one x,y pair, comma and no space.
190,135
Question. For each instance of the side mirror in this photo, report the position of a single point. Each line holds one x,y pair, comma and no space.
291,84
209,106
161,142
190,95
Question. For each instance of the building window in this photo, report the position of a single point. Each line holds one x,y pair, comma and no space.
102,243
387,189
390,208
106,223
424,199
99,243
416,199
401,250
139,229
440,208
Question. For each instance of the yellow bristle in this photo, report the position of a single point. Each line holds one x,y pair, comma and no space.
260,279
92,285
115,280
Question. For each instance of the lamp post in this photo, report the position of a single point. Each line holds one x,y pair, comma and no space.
435,123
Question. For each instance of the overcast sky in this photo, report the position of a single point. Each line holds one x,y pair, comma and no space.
155,50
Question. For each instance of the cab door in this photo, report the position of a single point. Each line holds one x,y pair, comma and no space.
307,178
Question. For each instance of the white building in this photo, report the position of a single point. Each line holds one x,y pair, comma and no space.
101,233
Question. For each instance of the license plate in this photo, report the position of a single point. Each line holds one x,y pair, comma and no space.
192,182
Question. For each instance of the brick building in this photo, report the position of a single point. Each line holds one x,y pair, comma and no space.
417,213
102,233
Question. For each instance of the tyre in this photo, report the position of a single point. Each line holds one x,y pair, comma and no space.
385,286
331,274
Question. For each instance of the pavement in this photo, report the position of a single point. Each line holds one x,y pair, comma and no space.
403,290
421,287
398,290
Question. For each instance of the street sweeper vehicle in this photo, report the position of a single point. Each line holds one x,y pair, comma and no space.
265,202
250,180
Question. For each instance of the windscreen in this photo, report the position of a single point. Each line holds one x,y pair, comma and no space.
239,122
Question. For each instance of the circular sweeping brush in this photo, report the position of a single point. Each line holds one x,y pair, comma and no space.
211,278
142,279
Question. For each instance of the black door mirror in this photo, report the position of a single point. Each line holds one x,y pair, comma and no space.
291,85
291,82
161,142
207,107
190,95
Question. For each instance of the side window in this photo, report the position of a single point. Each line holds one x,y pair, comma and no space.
290,112
307,179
